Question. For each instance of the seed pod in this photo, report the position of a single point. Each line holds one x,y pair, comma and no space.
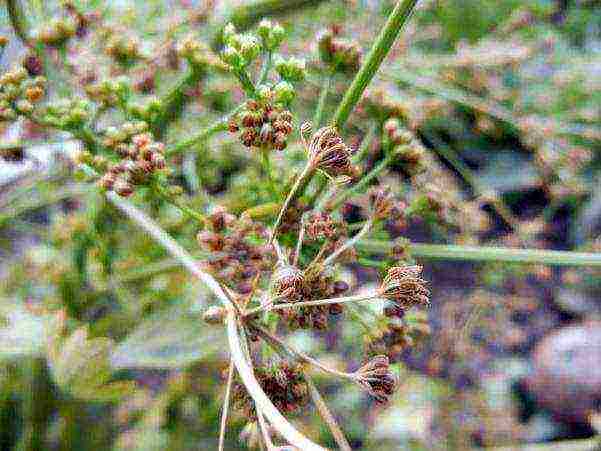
123,188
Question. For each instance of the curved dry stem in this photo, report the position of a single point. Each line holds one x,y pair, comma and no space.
226,406
261,400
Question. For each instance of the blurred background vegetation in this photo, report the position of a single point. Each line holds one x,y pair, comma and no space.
505,97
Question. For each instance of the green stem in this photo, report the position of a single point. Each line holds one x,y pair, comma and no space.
367,140
323,96
246,82
489,254
219,126
267,63
266,163
17,20
384,42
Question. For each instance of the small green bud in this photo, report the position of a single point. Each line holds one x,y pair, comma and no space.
264,93
232,57
284,92
228,32
249,47
264,29
276,36
292,69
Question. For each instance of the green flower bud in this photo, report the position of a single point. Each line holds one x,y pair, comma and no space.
249,47
292,69
276,36
228,32
264,93
232,57
264,29
25,107
284,92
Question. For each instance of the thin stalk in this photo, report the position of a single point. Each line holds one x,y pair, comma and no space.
226,406
299,242
326,415
18,21
247,85
384,42
219,126
302,179
277,343
163,193
323,96
349,243
267,63
261,400
363,183
340,300
266,163
265,432
490,254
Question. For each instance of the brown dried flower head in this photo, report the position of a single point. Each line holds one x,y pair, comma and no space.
328,152
381,202
376,378
288,282
403,286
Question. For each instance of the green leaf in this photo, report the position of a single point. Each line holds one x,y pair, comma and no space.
170,339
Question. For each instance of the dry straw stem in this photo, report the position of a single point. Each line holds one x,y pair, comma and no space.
261,400
226,406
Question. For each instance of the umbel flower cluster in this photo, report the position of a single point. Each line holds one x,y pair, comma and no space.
19,93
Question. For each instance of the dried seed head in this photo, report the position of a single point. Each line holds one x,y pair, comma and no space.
327,151
376,378
287,282
320,225
403,286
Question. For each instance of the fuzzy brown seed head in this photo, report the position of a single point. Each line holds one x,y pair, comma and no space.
376,378
320,225
328,152
403,286
287,282
34,94
123,188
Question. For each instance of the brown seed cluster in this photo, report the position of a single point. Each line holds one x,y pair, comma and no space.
262,125
291,285
19,93
57,31
321,226
398,335
376,378
281,381
123,49
403,286
141,156
409,151
328,152
234,254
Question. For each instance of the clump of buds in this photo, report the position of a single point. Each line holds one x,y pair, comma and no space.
57,31
282,382
291,69
321,226
409,151
69,113
271,34
328,152
262,125
376,378
313,283
235,255
398,335
198,54
19,93
123,49
240,49
403,286
141,156
341,54
108,93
